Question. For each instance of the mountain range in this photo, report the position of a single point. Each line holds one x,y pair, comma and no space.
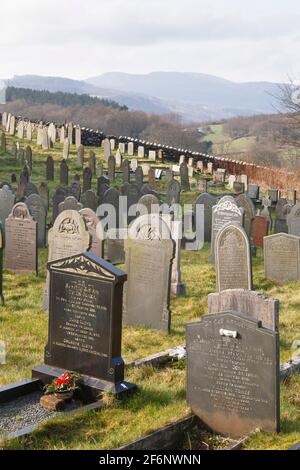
194,96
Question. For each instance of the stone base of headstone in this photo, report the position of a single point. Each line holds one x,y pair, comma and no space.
92,387
178,289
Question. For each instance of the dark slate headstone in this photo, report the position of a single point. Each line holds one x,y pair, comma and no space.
151,179
87,179
112,198
293,220
50,169
148,262
37,210
92,221
233,374
64,173
44,193
247,302
69,204
260,230
282,257
253,191
90,200
233,258
126,171
208,201
75,189
139,176
92,162
224,212
245,202
30,188
238,187
28,156
282,209
23,181
85,323
111,167
59,196
173,192
7,201
21,241
184,177
102,187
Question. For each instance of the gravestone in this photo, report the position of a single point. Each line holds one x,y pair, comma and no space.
122,147
89,200
233,374
282,258
3,142
133,195
266,213
92,221
80,156
50,169
184,177
259,231
208,201
66,148
21,157
238,187
38,211
115,246
130,149
21,241
24,180
133,164
151,179
152,155
45,139
139,177
247,302
63,134
64,173
111,168
173,192
52,133
92,161
58,197
69,204
111,197
224,212
78,136
126,171
30,188
150,204
148,255
118,163
141,151
102,187
245,202
44,193
282,209
233,258
87,179
85,324
106,148
231,180
7,201
253,191
14,150
75,189
292,196
274,195
293,220
28,156
29,131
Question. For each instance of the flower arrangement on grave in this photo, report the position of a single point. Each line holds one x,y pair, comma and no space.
67,383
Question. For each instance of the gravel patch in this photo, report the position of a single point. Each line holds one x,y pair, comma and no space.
26,411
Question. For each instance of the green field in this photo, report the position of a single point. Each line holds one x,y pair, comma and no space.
160,398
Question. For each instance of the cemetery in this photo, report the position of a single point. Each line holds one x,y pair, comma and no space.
131,336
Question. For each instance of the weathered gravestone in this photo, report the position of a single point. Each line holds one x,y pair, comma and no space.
85,324
44,193
111,201
90,200
238,187
50,169
21,157
21,241
75,189
7,201
173,192
58,197
148,204
69,236
69,204
115,246
293,220
102,187
45,139
184,177
28,156
208,201
149,251
87,179
14,150
151,179
253,191
245,202
30,188
247,302
233,374
29,131
233,258
80,156
3,142
38,211
282,257
118,159
20,130
139,176
92,162
292,196
111,168
126,171
260,229
66,148
282,210
107,148
92,221
224,212
64,173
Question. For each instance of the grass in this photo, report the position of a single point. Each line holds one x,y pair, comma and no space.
160,399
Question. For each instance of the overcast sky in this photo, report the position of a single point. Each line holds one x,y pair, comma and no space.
234,39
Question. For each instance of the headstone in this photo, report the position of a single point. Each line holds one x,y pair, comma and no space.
173,192
75,189
152,155
233,374
112,144
266,213
92,221
126,171
184,177
224,212
245,202
253,191
102,187
130,149
44,193
89,200
247,302
85,324
3,142
29,131
260,230
106,148
66,148
274,195
87,179
29,189
50,169
208,201
122,147
238,187
12,125
111,168
14,150
139,176
80,156
293,220
21,241
45,139
69,204
92,162
282,257
233,258
115,246
20,132
118,159
7,201
244,180
148,262
52,133
282,209
133,164
141,151
64,173
63,135
78,136
292,196
150,204
37,210
111,197
151,179
58,197
28,156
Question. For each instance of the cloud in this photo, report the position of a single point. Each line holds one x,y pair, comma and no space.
79,39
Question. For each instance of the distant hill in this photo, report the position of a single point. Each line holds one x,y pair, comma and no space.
192,95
